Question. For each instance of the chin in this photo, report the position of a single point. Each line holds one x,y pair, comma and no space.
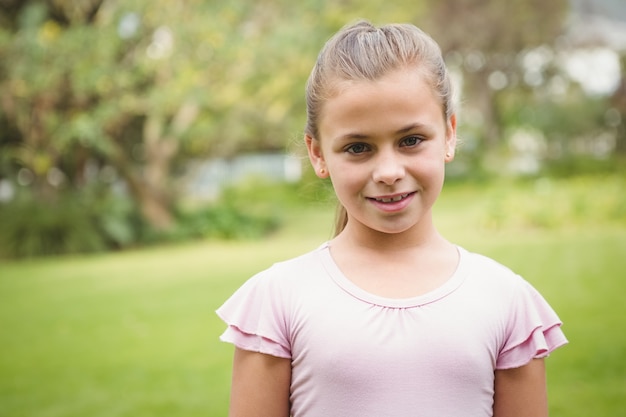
394,229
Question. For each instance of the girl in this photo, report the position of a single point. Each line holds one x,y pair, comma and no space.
388,318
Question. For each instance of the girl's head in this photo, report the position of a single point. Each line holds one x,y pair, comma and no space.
362,52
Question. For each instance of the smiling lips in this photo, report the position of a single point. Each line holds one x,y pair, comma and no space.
392,203
392,199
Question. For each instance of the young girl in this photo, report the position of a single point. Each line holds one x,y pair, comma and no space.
388,318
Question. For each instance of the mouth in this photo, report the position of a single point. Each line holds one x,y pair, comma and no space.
392,199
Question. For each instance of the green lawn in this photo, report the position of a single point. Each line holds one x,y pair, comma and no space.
135,334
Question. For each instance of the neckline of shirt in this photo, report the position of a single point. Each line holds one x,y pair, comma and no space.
448,287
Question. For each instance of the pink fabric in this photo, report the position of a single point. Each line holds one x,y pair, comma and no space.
357,354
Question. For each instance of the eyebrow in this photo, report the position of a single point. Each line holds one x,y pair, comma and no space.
410,127
406,129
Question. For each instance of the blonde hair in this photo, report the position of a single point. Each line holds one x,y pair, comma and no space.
362,51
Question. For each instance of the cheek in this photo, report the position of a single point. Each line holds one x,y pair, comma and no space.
347,182
344,179
429,170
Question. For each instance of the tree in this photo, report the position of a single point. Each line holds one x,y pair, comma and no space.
490,37
95,84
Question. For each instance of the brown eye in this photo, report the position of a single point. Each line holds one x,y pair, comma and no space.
411,141
357,148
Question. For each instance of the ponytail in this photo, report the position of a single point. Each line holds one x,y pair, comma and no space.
341,219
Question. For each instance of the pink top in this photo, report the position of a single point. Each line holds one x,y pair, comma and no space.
357,354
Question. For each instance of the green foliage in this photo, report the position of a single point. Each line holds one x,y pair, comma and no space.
30,229
73,223
225,221
67,224
575,165
250,210
542,204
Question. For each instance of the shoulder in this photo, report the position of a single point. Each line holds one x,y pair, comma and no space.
493,276
309,261
487,265
306,260
287,273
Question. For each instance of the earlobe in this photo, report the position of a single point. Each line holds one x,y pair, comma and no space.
450,138
316,156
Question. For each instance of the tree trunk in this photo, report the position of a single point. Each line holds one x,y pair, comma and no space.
150,186
153,202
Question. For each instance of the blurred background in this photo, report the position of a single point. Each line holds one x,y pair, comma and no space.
121,121
151,160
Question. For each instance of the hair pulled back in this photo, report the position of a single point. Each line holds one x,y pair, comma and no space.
362,51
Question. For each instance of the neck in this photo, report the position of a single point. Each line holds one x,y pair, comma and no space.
421,235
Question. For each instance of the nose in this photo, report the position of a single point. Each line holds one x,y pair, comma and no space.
388,168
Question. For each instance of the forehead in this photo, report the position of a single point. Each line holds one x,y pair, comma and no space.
400,97
337,82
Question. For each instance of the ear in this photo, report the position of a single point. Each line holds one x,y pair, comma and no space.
450,145
316,156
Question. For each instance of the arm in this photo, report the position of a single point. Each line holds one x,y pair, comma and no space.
260,385
521,392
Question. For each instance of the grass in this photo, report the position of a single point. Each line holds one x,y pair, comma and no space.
135,333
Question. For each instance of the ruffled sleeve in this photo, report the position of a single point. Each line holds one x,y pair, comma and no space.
256,319
533,331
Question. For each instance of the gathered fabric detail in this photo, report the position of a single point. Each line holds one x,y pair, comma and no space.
534,330
253,342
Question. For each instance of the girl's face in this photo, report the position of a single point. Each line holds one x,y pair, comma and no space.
384,144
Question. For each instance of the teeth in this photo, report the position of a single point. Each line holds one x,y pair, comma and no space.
392,199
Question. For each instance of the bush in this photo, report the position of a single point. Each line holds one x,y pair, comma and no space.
94,220
555,203
247,211
29,228
224,221
72,222
574,165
